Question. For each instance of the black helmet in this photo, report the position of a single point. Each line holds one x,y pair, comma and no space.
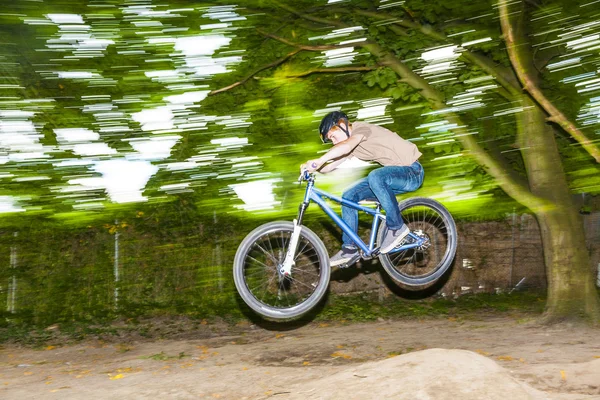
329,121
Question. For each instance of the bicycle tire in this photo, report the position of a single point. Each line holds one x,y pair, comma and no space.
249,270
421,267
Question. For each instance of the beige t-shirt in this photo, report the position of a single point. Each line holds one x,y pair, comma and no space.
383,146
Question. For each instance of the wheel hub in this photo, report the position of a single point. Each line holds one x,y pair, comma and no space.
424,240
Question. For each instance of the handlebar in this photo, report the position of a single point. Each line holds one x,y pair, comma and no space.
306,176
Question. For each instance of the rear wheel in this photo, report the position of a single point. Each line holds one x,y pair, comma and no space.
258,280
429,220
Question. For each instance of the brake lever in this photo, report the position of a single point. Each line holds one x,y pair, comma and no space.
303,176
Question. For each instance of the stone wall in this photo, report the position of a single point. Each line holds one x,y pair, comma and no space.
496,256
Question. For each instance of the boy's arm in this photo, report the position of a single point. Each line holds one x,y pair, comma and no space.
339,151
332,165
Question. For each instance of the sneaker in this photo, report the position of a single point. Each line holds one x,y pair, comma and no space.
393,238
345,255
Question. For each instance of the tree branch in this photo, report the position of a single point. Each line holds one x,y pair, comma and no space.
526,78
496,168
503,76
308,17
271,65
300,46
331,70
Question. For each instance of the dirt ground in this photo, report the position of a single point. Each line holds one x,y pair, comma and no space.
484,357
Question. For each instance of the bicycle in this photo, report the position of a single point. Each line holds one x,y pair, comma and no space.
281,269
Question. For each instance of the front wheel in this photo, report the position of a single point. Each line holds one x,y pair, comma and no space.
258,280
423,265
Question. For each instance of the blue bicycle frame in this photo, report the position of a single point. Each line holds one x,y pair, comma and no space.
318,196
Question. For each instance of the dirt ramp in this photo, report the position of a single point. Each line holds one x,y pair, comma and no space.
583,377
435,374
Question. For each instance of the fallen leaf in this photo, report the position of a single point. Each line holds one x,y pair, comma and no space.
505,358
483,353
118,376
339,346
341,355
306,363
563,375
50,347
279,336
203,348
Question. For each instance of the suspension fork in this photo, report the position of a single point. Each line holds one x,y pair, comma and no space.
288,262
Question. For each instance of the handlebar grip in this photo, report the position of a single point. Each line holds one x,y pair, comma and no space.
304,175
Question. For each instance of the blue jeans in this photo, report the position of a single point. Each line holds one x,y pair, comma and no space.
382,184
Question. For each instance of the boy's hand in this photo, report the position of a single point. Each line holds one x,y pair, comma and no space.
311,165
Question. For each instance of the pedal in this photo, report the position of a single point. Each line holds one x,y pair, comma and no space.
350,262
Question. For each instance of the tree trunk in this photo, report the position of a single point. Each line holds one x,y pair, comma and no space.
571,291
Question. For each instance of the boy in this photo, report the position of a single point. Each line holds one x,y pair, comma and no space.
400,172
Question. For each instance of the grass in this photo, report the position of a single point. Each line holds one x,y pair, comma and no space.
353,308
366,307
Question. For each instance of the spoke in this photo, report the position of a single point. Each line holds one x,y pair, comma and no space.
260,262
309,254
271,256
270,245
301,250
263,291
304,284
299,266
305,272
399,256
262,287
285,292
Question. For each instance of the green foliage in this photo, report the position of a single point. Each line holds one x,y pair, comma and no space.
168,254
348,308
366,307
383,77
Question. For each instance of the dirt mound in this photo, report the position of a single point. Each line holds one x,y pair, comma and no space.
429,374
573,377
499,358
